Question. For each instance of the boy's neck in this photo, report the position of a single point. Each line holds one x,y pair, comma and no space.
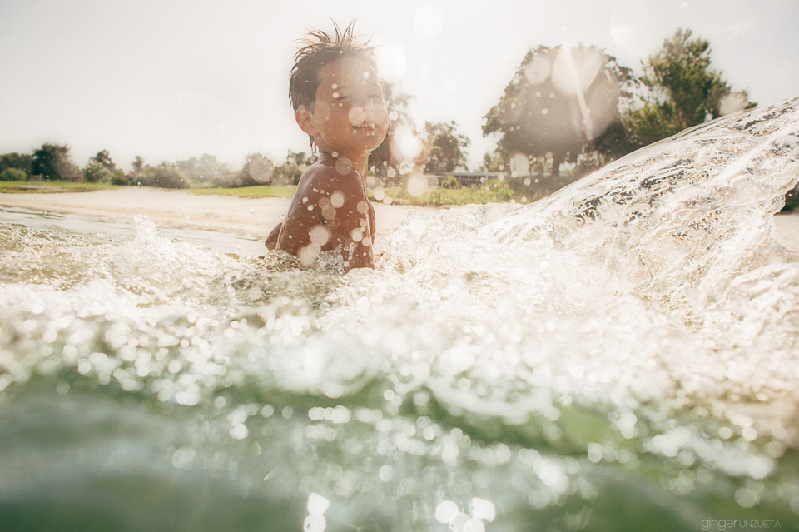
359,165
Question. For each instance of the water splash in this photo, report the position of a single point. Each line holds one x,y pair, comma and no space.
521,356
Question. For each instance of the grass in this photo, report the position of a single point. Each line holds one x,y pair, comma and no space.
496,192
248,192
492,192
12,187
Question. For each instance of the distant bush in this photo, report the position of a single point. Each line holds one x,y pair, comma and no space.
16,160
119,178
13,174
95,172
449,182
164,177
52,162
288,174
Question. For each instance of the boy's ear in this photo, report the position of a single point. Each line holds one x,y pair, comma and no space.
303,118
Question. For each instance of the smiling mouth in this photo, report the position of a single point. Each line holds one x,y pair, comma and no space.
366,127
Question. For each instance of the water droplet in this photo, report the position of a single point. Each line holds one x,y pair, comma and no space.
446,512
337,199
317,505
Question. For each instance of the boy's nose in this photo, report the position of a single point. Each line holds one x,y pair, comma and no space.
357,115
364,102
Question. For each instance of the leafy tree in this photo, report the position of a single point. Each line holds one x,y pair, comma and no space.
13,174
164,176
103,159
52,162
289,173
206,169
100,168
137,164
681,91
561,100
15,160
493,162
257,170
447,148
95,172
298,158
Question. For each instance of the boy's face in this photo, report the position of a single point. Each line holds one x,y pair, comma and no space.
350,116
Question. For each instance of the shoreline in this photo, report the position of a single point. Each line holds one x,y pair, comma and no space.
180,209
252,218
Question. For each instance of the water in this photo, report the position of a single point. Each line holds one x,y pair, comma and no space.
620,356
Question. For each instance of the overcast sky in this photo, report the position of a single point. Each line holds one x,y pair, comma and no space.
171,79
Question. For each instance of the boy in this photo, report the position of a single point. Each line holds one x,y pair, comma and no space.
339,103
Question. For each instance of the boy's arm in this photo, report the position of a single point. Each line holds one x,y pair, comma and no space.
372,220
271,240
303,216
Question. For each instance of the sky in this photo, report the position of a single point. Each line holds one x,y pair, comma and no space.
171,79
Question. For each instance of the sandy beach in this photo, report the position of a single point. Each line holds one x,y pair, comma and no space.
249,217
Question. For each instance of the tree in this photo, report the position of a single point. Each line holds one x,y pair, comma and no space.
561,100
257,170
137,164
164,176
95,172
206,169
100,168
681,91
298,159
52,162
447,148
289,173
493,162
103,159
15,160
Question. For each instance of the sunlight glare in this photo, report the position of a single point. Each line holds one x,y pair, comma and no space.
537,71
416,184
428,21
406,143
390,61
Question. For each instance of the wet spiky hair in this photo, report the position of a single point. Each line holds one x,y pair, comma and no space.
318,50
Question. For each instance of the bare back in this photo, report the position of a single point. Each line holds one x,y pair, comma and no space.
329,212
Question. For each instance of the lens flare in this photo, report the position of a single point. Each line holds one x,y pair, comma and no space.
416,185
519,164
406,144
537,71
575,69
